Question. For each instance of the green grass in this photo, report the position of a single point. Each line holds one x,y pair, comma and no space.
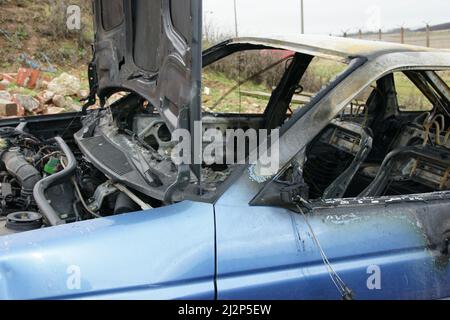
15,89
412,99
326,69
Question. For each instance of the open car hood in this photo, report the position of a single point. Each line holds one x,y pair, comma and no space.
153,48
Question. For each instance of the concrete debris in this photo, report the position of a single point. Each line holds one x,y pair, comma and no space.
42,84
59,101
29,103
65,85
74,108
46,97
66,103
4,84
5,95
83,94
55,110
30,92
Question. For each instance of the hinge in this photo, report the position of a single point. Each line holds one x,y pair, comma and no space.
93,87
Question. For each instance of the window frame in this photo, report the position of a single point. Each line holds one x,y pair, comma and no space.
314,104
249,50
412,81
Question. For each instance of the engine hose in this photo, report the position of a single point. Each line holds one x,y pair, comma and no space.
52,217
22,170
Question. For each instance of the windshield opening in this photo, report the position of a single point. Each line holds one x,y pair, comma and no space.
243,82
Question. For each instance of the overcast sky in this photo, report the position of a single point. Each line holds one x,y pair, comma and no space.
282,17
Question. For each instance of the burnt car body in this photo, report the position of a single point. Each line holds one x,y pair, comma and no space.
367,190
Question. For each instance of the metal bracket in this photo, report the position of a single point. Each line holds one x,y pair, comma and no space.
183,180
102,192
93,87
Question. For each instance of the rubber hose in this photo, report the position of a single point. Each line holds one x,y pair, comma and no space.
52,217
22,170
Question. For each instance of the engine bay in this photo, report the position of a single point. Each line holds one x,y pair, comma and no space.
39,174
115,160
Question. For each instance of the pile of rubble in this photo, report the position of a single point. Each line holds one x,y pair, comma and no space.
49,96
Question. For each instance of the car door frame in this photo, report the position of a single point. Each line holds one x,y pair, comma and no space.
258,277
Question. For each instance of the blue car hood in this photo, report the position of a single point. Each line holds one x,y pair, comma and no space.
165,253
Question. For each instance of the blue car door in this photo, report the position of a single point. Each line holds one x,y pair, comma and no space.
382,249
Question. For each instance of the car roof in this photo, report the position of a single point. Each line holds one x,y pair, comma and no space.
336,48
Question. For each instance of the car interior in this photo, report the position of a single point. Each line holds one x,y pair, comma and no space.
381,148
392,140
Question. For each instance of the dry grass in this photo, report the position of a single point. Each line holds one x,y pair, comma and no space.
38,29
223,76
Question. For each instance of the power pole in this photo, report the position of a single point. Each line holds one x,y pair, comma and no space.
302,16
428,35
236,19
345,33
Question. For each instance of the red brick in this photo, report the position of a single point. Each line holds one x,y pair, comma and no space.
8,109
27,78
